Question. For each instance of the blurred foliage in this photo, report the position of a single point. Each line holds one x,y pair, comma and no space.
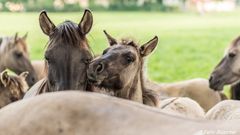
128,5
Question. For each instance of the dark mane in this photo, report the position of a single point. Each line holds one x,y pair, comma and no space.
66,33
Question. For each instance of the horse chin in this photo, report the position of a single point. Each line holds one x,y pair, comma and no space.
219,86
114,83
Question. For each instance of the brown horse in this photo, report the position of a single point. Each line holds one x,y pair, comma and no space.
14,56
67,55
227,72
120,69
12,87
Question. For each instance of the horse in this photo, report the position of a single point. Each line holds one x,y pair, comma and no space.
14,56
12,87
196,89
73,112
67,56
39,67
183,107
227,71
120,70
235,91
225,110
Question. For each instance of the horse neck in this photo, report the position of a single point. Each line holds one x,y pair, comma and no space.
3,51
134,91
2,65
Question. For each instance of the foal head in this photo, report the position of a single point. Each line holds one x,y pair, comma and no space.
14,56
68,54
120,64
12,87
228,70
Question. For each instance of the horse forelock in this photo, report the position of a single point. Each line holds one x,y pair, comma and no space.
129,42
67,33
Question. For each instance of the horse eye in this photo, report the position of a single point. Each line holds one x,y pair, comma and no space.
231,55
47,59
18,54
86,61
129,59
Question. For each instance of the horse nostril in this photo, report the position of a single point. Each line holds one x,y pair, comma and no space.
33,79
100,68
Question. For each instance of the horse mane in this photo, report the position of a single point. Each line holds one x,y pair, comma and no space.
7,43
68,33
150,97
235,42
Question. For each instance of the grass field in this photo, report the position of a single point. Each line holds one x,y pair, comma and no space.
190,45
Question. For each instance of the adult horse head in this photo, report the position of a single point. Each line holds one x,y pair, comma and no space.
14,56
68,54
228,70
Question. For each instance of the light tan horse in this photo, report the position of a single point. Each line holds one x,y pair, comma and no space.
75,113
227,72
14,56
39,67
225,110
12,87
196,89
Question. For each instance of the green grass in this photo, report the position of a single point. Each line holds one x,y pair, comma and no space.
190,45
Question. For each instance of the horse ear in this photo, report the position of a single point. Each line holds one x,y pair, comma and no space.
112,41
25,36
24,74
85,24
148,47
16,36
46,24
5,78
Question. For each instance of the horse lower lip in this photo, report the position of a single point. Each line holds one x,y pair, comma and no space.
216,86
